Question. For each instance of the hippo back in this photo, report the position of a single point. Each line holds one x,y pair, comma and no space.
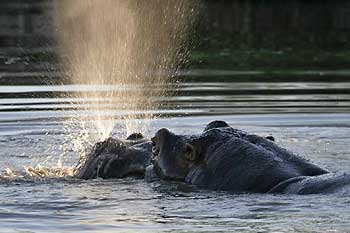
327,183
247,163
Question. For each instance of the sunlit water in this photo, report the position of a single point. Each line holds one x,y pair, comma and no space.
311,118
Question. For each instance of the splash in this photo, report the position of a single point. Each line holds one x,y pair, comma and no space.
122,54
39,172
128,50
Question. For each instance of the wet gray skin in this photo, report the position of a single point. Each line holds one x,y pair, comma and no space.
114,158
224,158
220,158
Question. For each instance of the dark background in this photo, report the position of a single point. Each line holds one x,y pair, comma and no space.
235,35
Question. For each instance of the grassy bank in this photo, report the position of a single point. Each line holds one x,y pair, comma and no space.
265,59
238,59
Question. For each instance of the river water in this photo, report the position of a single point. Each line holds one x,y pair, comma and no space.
306,113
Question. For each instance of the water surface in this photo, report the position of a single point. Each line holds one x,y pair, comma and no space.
309,117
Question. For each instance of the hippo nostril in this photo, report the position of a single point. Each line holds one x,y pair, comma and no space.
154,150
154,141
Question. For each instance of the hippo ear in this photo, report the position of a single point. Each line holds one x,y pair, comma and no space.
135,136
215,124
190,152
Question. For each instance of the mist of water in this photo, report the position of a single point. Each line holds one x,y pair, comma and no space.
132,46
128,50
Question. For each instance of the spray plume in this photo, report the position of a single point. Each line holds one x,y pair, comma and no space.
128,49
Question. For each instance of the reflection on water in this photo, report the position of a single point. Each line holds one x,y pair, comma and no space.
310,118
194,98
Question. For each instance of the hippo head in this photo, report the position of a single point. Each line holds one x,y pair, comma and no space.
172,155
116,158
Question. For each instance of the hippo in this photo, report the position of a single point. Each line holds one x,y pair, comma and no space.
219,158
115,158
228,159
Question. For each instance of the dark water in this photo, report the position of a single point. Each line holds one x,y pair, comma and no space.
308,115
